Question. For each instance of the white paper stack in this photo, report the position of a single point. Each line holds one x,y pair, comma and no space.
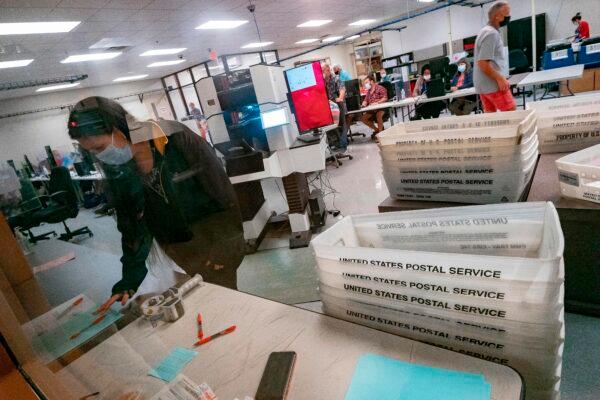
568,123
481,159
579,174
486,281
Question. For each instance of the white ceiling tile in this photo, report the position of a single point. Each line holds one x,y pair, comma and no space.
23,14
82,3
111,14
29,3
147,15
94,26
70,14
168,4
128,4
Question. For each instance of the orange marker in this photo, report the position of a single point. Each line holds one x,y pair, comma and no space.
200,331
94,322
70,307
216,335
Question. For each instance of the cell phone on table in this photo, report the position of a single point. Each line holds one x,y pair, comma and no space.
275,382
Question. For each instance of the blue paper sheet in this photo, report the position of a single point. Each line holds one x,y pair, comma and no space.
170,366
57,341
383,378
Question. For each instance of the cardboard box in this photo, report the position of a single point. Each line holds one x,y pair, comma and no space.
584,84
597,85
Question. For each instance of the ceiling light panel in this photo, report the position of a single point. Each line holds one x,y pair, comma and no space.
162,52
91,57
362,22
331,39
165,63
222,24
130,78
58,87
30,28
352,37
15,63
256,45
307,41
314,23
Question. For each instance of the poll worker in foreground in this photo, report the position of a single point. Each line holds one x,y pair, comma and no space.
336,92
490,82
376,94
583,28
169,190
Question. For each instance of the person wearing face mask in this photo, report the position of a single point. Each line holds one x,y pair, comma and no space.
429,109
168,187
583,28
463,79
490,83
376,94
341,73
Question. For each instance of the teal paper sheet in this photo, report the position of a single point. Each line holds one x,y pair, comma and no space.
57,342
170,366
383,378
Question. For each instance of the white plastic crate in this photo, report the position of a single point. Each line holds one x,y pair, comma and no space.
510,242
488,120
518,161
569,123
579,174
534,335
460,155
491,189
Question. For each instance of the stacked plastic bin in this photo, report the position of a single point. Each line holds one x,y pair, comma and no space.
478,159
568,123
486,281
579,174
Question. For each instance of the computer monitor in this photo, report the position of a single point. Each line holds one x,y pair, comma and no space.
308,96
273,118
439,67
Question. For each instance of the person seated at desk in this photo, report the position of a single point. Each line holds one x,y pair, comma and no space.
463,79
430,109
376,94
583,28
169,190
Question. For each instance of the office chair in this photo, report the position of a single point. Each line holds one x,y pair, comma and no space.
519,64
58,206
352,104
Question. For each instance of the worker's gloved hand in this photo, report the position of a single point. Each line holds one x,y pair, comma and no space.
122,297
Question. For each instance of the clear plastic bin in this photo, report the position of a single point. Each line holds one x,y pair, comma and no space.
569,123
499,155
499,242
490,120
579,174
491,189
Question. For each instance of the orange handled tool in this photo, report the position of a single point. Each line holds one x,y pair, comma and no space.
70,307
94,322
216,335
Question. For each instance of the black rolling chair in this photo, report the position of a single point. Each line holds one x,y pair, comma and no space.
519,64
60,205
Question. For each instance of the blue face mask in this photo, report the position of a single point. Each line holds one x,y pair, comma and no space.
462,68
114,155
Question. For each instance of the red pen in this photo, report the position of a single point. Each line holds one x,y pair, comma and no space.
216,335
200,331
94,322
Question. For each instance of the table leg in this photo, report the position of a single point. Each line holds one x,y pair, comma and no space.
391,116
534,93
524,98
568,88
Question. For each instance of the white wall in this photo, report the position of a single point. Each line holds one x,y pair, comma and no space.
28,134
432,29
338,54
